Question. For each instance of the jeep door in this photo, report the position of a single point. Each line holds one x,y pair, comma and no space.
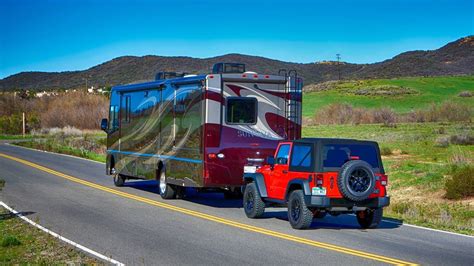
278,178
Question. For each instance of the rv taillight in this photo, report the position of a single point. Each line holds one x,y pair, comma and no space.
212,156
267,76
255,76
211,76
244,75
383,180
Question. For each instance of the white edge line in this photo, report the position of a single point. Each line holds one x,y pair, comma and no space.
85,249
67,155
427,228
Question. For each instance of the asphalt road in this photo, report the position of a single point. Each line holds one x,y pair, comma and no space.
134,225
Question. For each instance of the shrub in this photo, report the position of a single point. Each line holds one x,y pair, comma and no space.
10,241
462,139
2,184
461,183
465,94
385,151
78,110
442,142
341,113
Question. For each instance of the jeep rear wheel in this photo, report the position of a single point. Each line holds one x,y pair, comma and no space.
299,216
356,180
254,206
370,218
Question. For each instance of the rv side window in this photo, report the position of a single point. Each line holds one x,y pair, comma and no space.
113,118
241,110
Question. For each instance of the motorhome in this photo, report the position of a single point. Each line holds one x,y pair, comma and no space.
200,130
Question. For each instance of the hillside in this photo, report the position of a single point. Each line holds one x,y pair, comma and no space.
402,95
455,58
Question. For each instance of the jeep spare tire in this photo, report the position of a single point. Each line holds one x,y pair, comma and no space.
356,180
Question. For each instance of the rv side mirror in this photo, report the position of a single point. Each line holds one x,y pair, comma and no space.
271,161
104,124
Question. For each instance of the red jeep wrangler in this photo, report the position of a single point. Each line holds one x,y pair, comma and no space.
316,176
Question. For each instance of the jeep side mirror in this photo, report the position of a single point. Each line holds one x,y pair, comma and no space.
271,161
104,124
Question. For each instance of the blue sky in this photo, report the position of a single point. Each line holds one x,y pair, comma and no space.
66,35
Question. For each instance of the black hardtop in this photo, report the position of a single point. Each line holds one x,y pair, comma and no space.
335,141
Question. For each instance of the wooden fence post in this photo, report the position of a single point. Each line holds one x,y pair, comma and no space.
24,124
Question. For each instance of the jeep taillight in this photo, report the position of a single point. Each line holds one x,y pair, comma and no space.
319,180
383,180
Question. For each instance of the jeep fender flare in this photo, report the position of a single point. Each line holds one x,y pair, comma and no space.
259,181
301,183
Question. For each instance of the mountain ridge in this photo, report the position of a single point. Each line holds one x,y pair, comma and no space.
454,58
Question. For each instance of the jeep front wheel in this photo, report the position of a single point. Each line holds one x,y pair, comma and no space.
370,218
299,215
254,206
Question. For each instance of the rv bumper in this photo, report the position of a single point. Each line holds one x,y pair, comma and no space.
325,202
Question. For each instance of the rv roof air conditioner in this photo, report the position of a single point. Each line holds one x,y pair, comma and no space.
221,68
169,75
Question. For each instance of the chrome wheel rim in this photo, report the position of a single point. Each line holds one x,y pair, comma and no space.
162,183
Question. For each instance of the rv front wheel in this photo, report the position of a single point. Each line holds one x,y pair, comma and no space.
167,191
119,180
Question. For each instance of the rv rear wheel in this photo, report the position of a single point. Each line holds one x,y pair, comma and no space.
167,191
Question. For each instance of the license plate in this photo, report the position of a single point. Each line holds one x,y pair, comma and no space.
319,191
250,169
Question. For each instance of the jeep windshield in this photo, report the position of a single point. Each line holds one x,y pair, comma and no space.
335,155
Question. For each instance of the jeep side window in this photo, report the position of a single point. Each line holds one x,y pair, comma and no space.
283,153
302,158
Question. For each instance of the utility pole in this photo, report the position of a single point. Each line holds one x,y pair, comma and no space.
338,57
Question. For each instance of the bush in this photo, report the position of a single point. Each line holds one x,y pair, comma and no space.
461,183
385,151
465,94
10,241
341,113
2,184
78,110
462,139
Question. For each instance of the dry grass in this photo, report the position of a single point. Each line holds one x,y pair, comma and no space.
75,109
341,113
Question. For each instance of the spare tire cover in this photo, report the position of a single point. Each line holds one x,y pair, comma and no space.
356,180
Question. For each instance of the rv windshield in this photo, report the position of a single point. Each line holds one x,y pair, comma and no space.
241,110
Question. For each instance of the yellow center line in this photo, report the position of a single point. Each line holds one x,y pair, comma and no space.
216,219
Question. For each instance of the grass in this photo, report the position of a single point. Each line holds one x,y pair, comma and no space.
418,169
52,146
23,244
15,137
421,93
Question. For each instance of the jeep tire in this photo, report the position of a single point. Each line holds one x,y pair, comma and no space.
254,206
299,215
370,218
356,180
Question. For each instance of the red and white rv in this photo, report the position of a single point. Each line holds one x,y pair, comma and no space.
200,130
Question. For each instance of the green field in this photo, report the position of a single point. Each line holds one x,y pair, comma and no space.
419,93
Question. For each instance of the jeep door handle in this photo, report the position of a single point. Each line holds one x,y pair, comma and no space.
285,171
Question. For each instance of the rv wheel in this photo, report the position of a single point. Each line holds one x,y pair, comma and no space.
119,180
167,191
